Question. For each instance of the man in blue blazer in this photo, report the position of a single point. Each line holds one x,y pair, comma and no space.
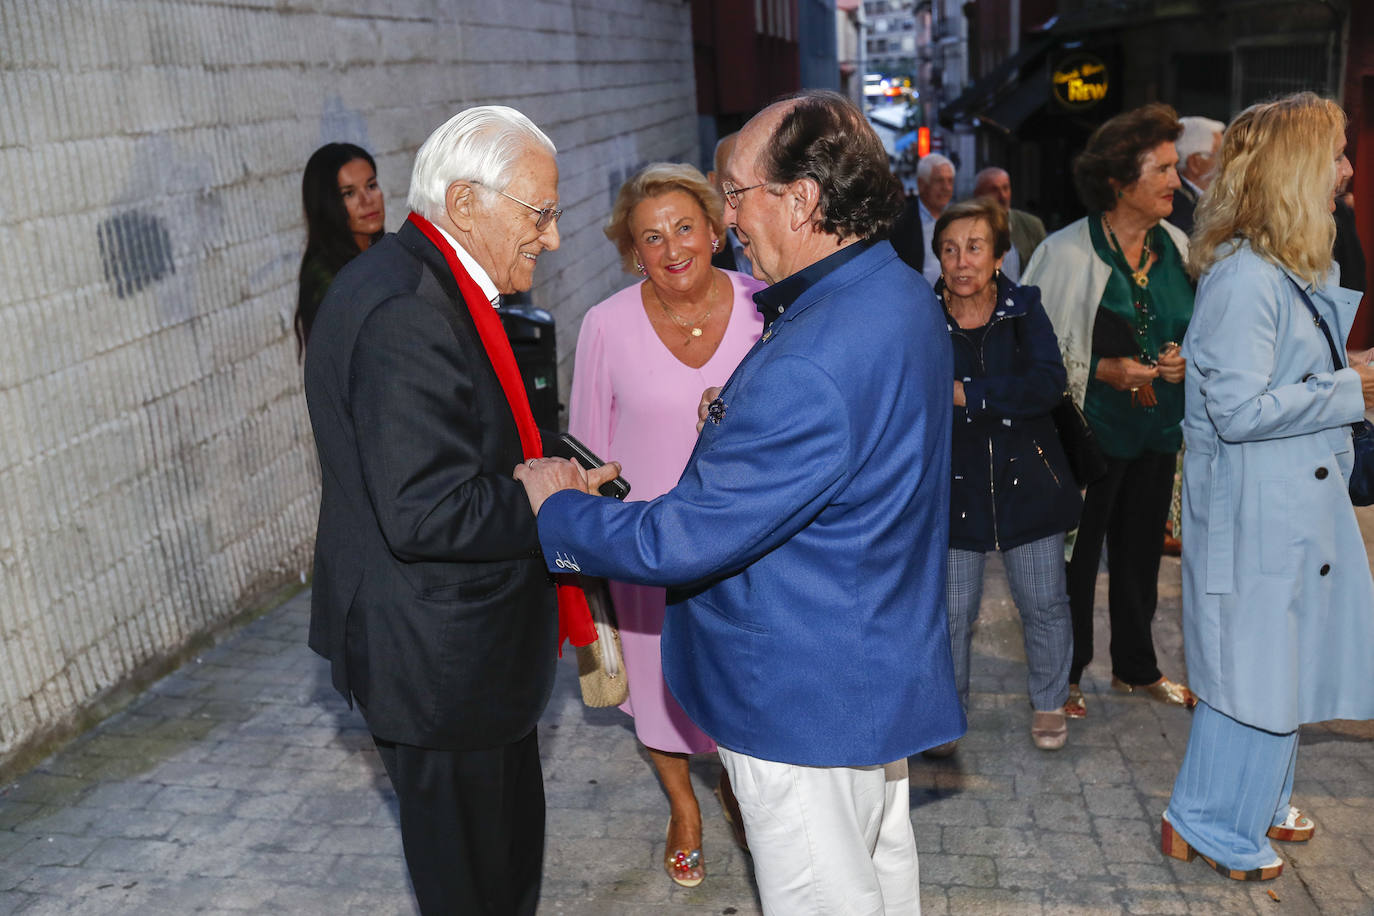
806,542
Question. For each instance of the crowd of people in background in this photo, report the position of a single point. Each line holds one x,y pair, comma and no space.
833,403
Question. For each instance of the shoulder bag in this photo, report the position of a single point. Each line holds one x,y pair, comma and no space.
1362,433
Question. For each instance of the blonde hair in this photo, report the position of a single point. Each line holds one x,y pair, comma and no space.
651,181
1274,180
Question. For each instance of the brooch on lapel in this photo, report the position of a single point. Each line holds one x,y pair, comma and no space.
715,411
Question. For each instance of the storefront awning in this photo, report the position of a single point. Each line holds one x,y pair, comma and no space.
1006,97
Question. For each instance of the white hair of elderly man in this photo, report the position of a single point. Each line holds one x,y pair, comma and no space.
477,145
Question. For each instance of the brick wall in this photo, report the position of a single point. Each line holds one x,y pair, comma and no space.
157,473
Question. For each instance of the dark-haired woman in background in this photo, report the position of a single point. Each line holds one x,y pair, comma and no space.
344,215
1115,288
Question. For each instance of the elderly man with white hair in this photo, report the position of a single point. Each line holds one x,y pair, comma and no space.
912,232
430,599
1197,149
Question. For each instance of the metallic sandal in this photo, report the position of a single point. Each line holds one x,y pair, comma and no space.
1297,828
1177,847
1076,707
1163,690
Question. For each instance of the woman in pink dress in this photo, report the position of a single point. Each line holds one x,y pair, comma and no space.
644,356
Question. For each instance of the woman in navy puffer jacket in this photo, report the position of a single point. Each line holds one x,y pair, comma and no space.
1012,490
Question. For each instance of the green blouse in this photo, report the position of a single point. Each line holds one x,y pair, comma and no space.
1124,429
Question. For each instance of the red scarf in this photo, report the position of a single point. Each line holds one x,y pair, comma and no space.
574,619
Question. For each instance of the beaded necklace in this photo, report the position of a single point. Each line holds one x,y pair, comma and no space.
1144,396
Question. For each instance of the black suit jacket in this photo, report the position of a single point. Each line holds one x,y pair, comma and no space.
431,600
907,236
1347,249
1184,204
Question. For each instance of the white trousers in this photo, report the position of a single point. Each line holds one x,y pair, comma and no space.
828,841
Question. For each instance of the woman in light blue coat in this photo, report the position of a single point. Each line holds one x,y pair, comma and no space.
1278,604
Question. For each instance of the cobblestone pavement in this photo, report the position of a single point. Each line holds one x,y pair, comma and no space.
242,783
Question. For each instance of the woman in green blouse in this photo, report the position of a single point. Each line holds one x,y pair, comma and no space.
1116,290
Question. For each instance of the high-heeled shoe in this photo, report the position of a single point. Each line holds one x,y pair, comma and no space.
1162,690
1177,847
1297,828
684,866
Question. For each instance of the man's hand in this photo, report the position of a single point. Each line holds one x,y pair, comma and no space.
959,399
1124,373
544,477
707,396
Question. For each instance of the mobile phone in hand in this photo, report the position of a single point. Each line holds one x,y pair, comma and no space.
619,488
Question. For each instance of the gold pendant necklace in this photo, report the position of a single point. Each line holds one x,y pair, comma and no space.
693,330
1139,275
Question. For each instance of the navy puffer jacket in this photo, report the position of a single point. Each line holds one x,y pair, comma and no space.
1011,481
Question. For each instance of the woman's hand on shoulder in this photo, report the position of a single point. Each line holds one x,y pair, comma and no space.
704,406
1124,373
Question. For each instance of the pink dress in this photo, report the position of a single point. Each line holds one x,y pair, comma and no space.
636,403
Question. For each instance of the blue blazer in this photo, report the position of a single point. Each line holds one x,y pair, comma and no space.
806,540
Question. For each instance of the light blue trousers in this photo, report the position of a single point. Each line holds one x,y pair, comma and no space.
1233,785
1035,572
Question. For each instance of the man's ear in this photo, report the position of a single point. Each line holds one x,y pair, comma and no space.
805,196
460,202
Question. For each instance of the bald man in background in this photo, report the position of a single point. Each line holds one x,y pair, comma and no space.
731,255
1027,231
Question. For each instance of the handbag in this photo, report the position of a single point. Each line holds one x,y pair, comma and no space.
601,665
1362,433
1087,462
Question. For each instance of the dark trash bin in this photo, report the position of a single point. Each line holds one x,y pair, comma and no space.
531,334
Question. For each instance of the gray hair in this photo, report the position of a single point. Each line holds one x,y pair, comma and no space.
477,145
928,164
1197,136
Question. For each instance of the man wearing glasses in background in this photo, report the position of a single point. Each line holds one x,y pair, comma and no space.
805,545
430,599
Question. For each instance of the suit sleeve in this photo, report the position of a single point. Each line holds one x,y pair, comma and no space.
781,450
1032,393
419,433
1233,344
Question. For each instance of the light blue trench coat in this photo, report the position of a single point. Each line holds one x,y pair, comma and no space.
1278,604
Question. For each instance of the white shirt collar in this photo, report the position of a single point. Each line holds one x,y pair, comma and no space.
1197,192
474,269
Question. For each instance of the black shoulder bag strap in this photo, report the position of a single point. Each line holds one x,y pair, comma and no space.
1320,322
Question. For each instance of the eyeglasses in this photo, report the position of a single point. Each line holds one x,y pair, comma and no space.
732,193
546,214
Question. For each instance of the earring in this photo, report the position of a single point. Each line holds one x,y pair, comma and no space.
640,267
715,245
1119,195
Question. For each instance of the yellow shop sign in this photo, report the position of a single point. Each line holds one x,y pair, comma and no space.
1080,81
